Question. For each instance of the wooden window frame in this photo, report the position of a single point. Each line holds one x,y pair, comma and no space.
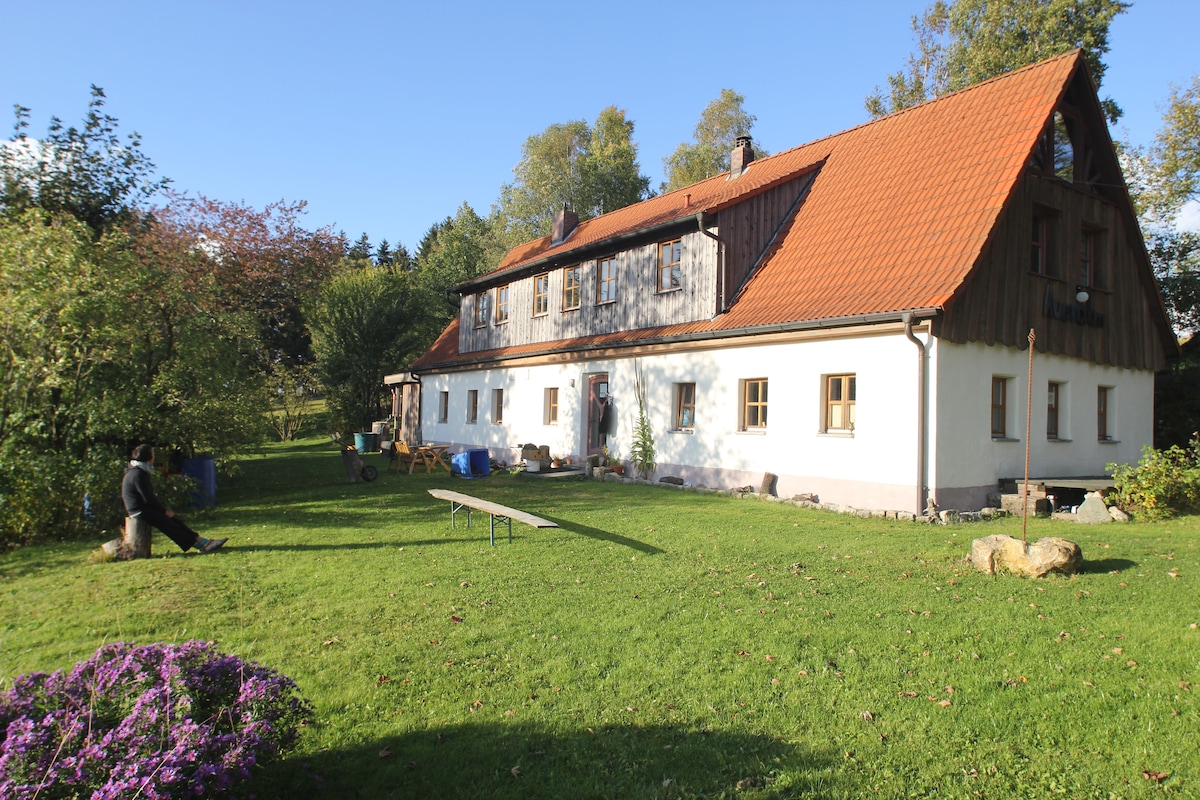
443,406
999,407
754,404
1103,404
1041,244
841,397
502,297
572,296
670,273
606,280
551,406
685,406
541,294
472,406
1053,407
497,406
483,308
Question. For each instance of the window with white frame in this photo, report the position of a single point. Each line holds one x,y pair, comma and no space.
550,409
443,406
497,405
472,406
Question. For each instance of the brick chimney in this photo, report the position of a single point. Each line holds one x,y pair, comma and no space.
564,223
743,154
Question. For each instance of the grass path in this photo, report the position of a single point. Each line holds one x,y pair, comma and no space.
660,644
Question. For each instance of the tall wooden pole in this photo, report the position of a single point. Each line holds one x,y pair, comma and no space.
1028,430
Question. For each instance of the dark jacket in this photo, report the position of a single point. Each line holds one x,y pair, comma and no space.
137,490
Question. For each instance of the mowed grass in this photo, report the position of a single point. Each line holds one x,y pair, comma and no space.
659,644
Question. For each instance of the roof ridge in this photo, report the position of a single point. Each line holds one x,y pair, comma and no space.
925,104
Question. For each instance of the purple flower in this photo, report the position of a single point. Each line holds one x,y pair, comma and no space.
159,721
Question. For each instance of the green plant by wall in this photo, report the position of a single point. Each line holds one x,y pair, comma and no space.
641,453
1164,482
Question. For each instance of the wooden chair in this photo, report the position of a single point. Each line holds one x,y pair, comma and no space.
400,455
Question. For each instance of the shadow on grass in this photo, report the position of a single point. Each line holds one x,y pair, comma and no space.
390,545
606,536
502,760
1106,565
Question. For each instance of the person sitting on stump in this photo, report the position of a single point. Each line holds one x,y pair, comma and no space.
137,490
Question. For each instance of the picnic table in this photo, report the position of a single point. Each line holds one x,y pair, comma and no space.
432,456
505,514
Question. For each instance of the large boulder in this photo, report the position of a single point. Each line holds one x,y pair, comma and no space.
1093,511
1050,554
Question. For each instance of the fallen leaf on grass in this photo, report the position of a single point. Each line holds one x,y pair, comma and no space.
516,771
867,716
382,680
386,752
1157,777
945,703
328,642
455,619
477,704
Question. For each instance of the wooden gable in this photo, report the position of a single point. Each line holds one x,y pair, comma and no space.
1071,210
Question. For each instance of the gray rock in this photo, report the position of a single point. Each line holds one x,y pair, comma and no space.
671,479
1117,514
1093,511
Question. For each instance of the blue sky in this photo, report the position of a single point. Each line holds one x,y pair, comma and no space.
385,117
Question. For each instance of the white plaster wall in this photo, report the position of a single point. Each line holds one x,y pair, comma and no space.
968,460
873,468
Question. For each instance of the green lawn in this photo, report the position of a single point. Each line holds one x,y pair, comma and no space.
660,644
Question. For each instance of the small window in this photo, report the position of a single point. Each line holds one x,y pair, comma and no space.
472,406
571,288
1053,396
443,406
754,404
606,280
999,408
497,405
840,392
541,294
501,304
1041,256
551,407
1103,422
669,256
685,406
483,307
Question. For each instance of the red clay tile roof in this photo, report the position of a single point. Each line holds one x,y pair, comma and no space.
897,216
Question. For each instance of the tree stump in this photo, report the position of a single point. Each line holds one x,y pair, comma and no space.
134,544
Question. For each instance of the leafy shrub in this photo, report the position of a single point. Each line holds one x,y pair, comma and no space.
1164,482
158,721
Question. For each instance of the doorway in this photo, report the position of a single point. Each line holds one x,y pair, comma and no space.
599,417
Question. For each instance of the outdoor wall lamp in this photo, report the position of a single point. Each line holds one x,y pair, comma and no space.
1081,294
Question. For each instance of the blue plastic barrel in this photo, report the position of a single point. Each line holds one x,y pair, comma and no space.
203,470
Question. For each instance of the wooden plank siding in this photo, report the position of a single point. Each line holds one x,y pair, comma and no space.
749,227
1003,297
639,304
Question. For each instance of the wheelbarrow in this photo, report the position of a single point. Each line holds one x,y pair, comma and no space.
355,468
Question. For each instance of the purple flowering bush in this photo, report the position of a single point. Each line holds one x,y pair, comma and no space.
160,721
